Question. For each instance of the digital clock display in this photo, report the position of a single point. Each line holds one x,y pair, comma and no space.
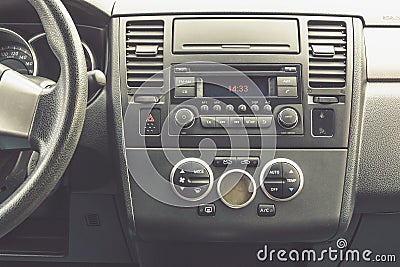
235,86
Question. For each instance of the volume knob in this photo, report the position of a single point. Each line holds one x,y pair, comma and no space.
184,118
288,118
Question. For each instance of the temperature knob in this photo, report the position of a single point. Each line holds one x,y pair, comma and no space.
184,118
288,118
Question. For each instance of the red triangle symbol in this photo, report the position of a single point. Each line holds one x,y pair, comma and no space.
150,118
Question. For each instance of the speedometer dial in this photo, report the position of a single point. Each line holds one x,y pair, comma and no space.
17,57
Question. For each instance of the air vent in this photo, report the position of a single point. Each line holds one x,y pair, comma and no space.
327,54
144,53
92,219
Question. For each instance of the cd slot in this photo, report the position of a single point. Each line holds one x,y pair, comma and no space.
235,47
216,35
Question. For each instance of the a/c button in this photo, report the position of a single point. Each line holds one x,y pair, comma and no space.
266,210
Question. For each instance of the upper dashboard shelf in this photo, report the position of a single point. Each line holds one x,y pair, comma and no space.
373,13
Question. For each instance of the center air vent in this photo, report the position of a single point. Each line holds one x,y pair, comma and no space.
327,54
144,53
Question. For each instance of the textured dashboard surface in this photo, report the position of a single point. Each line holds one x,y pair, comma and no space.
382,53
379,169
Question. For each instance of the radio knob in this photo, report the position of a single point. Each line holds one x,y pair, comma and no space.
184,118
288,118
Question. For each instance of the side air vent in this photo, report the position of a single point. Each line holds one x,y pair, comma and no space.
327,54
144,53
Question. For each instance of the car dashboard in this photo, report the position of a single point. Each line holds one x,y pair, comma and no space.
224,127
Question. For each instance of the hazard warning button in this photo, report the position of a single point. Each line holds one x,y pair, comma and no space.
150,123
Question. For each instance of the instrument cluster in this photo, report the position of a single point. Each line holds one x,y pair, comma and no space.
34,56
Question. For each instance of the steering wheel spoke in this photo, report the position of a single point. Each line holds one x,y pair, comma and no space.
19,97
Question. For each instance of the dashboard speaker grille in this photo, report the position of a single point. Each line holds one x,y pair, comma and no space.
327,54
144,53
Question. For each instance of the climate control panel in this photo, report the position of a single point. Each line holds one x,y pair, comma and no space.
192,179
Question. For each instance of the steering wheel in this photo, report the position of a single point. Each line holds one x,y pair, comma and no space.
45,117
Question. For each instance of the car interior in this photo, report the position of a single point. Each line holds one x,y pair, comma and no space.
199,133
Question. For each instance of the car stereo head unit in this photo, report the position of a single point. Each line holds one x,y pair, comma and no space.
235,81
208,98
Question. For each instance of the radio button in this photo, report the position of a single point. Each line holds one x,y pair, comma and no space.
207,122
265,122
217,108
287,81
230,108
184,81
267,109
185,92
290,69
242,108
250,122
235,122
286,91
181,69
222,122
255,108
204,108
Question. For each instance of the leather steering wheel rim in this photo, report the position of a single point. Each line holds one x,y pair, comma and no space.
58,118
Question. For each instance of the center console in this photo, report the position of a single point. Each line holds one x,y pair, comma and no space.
237,127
